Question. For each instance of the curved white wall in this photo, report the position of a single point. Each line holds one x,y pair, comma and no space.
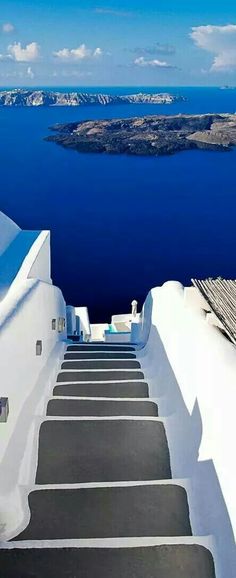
191,368
25,377
28,306
26,319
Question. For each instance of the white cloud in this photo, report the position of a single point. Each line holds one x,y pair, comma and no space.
219,41
28,54
7,27
30,72
97,52
155,63
80,53
5,57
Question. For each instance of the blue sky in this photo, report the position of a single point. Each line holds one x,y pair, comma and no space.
86,43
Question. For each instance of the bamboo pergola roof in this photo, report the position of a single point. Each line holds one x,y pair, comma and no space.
220,295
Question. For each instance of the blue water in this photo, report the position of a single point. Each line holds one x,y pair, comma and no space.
121,225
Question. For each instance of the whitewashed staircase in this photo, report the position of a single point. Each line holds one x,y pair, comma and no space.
105,504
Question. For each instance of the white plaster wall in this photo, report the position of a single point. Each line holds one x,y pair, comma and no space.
71,320
145,319
37,262
119,337
27,320
97,331
191,368
8,231
124,317
26,314
40,266
84,323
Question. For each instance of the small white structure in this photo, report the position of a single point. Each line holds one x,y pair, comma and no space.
134,306
82,323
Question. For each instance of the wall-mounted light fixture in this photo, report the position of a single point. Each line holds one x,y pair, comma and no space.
39,347
61,324
4,409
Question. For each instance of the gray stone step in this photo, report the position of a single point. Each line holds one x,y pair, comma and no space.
94,347
102,450
155,510
112,389
76,407
100,375
101,364
173,561
99,355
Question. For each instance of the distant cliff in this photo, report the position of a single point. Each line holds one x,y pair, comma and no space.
22,97
151,135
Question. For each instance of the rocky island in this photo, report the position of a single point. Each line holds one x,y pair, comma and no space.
149,135
22,97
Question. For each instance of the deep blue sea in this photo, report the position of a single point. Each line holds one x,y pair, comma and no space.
120,224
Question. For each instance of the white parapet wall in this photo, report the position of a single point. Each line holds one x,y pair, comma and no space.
191,368
30,350
117,336
82,322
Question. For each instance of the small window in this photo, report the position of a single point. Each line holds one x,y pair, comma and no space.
54,324
39,347
4,409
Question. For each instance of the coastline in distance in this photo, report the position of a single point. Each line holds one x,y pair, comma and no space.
150,135
22,97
